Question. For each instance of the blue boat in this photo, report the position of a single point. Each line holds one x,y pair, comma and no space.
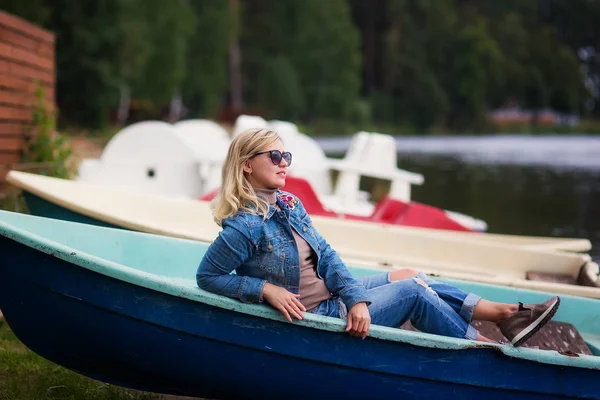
123,307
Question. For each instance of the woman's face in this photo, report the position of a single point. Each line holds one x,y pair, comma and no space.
262,173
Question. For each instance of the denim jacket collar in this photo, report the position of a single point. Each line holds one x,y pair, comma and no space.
283,206
285,202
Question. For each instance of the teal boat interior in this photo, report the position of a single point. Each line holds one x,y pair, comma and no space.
169,265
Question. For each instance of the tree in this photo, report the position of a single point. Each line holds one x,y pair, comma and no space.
518,76
418,61
133,51
280,95
473,72
165,71
327,56
576,24
86,50
318,41
206,73
559,68
38,12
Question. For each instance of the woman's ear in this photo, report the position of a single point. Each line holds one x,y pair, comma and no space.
247,167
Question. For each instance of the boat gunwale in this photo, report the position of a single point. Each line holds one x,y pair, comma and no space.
170,286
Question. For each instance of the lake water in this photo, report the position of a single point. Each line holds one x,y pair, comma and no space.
528,185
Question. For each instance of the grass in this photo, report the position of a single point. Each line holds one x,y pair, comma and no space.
26,376
11,200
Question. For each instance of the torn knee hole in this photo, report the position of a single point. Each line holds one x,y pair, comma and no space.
421,282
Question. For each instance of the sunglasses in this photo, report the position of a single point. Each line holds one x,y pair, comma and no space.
276,156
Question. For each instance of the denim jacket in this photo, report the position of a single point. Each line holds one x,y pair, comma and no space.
263,251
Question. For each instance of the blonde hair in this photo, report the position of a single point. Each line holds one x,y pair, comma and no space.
236,191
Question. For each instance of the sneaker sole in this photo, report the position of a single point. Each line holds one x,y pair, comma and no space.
536,325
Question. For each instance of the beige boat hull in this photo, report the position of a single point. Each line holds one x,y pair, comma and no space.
500,260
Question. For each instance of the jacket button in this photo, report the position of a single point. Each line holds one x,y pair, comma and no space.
303,229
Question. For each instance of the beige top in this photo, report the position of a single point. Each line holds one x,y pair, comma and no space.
312,289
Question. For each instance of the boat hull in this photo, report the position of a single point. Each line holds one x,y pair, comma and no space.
140,338
44,208
480,262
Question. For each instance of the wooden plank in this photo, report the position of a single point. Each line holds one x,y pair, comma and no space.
38,47
12,53
10,157
13,129
547,277
27,28
14,114
11,143
16,69
18,99
32,73
14,83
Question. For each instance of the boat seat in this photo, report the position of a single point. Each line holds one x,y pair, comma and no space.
550,277
371,155
588,276
559,336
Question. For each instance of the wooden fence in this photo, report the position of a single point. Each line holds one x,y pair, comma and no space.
26,59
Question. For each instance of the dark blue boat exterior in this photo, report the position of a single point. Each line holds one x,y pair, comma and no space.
144,339
44,208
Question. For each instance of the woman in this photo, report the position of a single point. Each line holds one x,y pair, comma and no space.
281,259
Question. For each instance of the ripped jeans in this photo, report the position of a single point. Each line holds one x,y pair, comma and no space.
431,306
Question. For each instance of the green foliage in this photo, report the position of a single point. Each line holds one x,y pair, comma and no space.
207,57
361,113
479,56
86,52
417,62
279,92
535,89
171,26
46,146
327,57
318,39
425,64
36,11
266,30
13,201
133,51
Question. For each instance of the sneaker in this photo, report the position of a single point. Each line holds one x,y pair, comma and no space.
528,320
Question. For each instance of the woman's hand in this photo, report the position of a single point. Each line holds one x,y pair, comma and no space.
283,300
359,320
